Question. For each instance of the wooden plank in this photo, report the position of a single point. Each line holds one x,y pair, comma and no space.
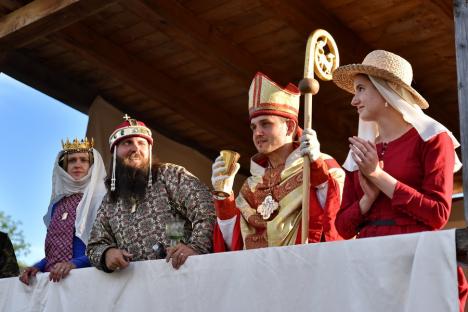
132,33
305,18
262,28
382,13
421,19
146,79
206,76
229,9
190,68
337,4
108,22
159,53
460,12
352,10
201,37
200,6
176,60
40,18
118,21
9,5
272,40
241,23
146,42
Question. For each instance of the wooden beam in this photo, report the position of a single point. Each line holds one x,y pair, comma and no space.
180,24
460,12
40,18
146,79
31,72
10,5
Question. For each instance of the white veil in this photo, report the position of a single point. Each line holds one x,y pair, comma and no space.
401,100
93,189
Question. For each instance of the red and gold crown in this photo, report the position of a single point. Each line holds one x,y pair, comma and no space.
77,146
268,98
130,128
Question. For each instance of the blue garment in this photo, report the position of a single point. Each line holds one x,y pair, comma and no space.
79,258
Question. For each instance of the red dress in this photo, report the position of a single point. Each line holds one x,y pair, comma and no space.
422,196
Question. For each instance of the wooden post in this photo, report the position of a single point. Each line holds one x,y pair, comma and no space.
460,12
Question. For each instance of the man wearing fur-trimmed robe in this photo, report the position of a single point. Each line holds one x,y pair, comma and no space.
268,210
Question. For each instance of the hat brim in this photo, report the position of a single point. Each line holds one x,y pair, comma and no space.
343,77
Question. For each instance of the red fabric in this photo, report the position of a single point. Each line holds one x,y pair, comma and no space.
279,113
59,239
462,288
218,240
321,221
422,196
127,123
226,209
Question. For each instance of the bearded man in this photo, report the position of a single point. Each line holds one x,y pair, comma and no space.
143,196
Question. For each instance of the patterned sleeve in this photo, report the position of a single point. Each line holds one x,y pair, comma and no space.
194,201
8,265
101,238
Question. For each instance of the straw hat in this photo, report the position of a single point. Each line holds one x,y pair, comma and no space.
381,64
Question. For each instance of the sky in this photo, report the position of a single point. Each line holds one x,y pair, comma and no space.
32,126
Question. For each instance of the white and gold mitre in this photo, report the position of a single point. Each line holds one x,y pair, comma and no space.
268,98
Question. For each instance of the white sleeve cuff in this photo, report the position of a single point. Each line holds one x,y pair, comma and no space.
227,228
321,191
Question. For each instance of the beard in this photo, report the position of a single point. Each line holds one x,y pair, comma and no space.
131,182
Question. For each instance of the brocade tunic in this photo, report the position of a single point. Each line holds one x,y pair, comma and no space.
175,192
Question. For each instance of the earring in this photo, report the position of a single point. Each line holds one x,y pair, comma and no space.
386,104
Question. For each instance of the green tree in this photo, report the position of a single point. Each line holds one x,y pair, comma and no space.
11,227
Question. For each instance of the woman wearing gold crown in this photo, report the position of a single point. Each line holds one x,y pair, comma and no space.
77,192
400,166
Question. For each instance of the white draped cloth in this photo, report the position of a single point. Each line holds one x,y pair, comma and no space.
412,272
93,188
401,100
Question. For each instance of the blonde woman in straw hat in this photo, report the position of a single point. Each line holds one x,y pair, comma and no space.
400,166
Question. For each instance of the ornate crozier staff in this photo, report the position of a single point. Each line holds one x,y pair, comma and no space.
322,52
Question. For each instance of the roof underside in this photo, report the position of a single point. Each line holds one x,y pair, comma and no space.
184,67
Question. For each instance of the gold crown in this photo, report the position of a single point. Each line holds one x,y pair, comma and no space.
77,146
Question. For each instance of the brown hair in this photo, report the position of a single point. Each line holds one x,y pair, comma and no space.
63,159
